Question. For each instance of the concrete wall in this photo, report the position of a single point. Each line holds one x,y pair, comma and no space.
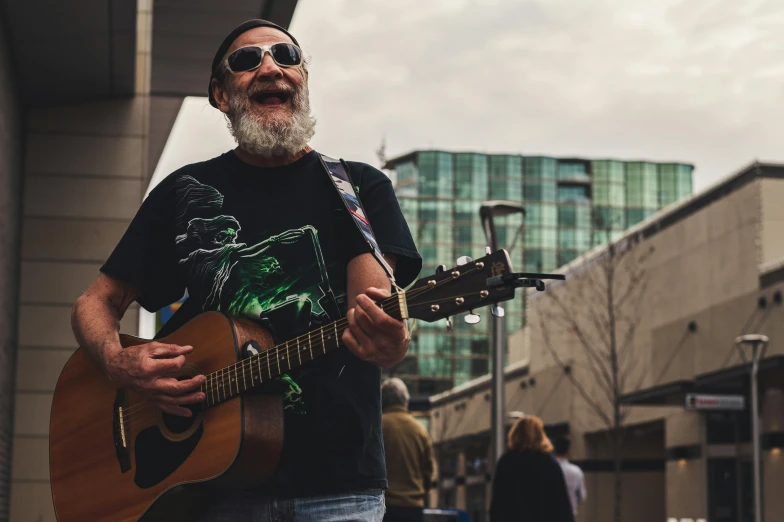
10,195
85,173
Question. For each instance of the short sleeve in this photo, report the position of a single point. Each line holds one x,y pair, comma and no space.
389,226
146,256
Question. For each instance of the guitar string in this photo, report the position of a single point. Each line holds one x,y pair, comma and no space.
217,380
218,383
220,386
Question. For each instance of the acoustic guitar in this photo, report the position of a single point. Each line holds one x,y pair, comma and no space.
112,455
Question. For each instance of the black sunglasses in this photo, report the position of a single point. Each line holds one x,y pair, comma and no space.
248,58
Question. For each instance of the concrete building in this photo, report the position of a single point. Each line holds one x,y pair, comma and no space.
89,90
713,269
565,198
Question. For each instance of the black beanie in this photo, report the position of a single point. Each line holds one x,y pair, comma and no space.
224,46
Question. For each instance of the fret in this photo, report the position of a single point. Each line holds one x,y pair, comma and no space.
337,342
220,383
277,358
299,353
269,363
258,360
287,355
321,330
250,366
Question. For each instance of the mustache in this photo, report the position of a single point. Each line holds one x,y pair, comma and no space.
260,87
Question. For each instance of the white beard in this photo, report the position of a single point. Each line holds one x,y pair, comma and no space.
271,137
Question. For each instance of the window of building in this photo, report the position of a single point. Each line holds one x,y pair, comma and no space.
573,170
573,194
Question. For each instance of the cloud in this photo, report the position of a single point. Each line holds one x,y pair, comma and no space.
688,80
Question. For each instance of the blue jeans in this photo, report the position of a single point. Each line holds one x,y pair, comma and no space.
362,506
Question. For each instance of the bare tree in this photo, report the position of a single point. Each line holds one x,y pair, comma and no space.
599,311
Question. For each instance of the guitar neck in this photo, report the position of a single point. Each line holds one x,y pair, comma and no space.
253,371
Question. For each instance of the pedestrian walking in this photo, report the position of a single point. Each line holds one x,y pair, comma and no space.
528,484
573,475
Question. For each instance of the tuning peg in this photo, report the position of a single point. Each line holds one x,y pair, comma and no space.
449,327
488,251
472,318
498,311
463,260
440,268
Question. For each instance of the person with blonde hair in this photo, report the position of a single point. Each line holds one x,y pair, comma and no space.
528,484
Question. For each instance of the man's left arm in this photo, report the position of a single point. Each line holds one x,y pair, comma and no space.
372,334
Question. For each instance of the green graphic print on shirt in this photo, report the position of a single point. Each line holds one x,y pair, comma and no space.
281,281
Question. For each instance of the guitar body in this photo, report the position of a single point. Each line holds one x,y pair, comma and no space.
111,466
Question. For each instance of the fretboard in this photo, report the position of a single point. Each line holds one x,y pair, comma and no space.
251,372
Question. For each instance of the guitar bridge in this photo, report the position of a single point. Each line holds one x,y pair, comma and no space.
118,432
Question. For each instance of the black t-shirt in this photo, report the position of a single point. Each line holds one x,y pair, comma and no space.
273,244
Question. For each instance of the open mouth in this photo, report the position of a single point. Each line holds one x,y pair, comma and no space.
271,97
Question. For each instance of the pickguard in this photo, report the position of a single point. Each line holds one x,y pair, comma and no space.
157,457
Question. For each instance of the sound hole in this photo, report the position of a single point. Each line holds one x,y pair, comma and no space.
178,424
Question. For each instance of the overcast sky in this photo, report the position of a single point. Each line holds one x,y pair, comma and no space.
698,81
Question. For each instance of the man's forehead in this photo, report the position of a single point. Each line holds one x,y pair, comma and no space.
259,35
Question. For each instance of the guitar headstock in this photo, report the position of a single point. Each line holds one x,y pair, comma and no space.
466,287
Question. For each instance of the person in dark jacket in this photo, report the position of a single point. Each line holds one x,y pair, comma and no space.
528,484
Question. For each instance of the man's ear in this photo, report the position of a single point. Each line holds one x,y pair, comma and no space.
221,95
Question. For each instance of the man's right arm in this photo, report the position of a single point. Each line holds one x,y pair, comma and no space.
146,368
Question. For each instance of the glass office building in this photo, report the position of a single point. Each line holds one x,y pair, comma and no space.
572,204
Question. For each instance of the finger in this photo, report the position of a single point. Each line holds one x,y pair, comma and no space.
352,344
154,367
361,337
378,316
174,388
365,322
162,350
191,398
173,409
377,294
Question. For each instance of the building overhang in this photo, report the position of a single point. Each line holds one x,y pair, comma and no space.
75,51
85,50
732,380
186,34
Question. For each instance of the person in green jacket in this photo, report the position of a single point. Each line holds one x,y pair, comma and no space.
408,453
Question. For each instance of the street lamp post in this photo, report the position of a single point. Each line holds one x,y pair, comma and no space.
758,345
487,211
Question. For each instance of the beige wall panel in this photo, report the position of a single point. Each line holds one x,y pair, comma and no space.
683,428
81,197
738,210
32,414
772,481
50,326
32,502
772,194
686,489
39,369
59,283
642,497
84,155
107,118
31,459
46,326
72,239
772,241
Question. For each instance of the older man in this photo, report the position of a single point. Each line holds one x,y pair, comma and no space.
252,232
409,455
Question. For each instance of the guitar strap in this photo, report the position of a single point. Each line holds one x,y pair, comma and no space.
339,175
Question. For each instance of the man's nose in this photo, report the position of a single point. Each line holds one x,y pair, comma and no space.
268,68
